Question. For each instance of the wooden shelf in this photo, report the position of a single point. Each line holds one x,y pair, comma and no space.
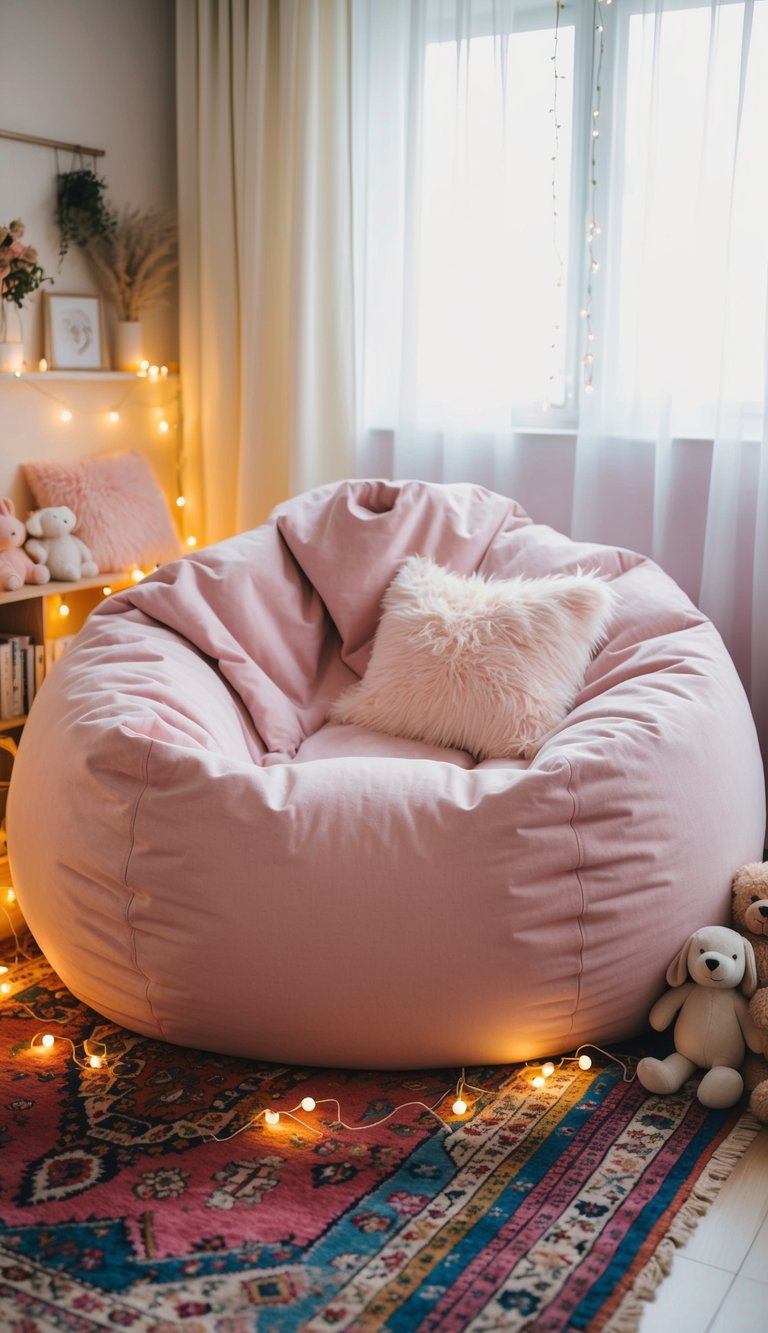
113,579
80,376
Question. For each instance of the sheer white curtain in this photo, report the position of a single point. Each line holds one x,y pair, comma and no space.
527,177
266,250
680,380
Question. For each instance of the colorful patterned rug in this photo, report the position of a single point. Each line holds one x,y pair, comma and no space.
144,1195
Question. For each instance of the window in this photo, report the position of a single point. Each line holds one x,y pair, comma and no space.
555,197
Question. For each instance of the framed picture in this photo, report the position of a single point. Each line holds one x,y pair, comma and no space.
74,332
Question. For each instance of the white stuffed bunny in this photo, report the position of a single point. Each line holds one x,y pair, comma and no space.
713,1027
52,542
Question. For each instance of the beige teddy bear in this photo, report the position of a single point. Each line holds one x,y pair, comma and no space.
749,909
713,1027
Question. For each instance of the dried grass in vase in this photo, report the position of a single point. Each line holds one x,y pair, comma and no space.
134,263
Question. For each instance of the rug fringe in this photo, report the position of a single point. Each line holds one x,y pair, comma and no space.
627,1316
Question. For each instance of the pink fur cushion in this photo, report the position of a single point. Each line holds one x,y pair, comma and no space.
484,665
122,514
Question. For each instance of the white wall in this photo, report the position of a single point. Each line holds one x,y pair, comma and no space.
98,73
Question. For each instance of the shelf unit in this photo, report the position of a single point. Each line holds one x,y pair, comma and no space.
34,609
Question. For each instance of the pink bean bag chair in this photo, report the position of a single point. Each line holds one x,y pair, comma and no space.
205,858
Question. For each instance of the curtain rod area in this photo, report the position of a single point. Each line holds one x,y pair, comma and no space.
53,143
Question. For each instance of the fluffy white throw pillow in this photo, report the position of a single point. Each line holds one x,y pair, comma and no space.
480,664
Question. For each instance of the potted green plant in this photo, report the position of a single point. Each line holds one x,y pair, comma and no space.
81,212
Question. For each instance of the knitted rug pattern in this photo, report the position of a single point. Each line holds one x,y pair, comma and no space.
152,1194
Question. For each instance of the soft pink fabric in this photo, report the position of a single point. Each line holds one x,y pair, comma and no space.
485,665
122,515
223,869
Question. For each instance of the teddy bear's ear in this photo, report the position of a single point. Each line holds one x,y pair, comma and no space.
749,980
35,525
677,972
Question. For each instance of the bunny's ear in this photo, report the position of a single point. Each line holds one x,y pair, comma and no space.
677,972
34,525
7,506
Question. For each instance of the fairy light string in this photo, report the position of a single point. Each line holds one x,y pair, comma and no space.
93,1056
168,413
558,254
594,229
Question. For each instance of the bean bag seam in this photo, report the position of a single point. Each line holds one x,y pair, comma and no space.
132,892
577,870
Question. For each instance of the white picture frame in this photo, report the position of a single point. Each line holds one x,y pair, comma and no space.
74,331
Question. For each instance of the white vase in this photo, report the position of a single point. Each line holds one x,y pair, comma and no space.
128,352
11,357
11,349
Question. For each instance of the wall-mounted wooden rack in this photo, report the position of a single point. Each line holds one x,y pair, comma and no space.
53,143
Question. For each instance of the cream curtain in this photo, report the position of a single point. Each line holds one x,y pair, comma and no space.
266,252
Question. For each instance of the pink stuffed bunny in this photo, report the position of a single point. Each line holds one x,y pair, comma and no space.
16,567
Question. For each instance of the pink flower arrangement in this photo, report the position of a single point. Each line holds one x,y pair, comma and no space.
20,272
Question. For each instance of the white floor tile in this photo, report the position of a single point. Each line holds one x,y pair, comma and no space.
744,1310
725,1234
687,1300
755,1266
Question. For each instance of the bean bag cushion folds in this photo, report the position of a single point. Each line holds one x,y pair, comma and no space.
205,858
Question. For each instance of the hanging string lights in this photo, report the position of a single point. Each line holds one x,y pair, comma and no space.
557,77
167,414
594,229
99,1055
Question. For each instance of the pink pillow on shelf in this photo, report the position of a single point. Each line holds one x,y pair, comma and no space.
484,665
122,514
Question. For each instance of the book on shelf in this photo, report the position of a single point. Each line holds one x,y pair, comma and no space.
56,648
21,668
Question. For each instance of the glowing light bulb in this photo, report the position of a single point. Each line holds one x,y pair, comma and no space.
10,895
114,416
63,609
137,575
583,312
596,113
47,1040
548,1069
272,1117
106,590
3,969
595,134
95,1061
181,500
163,371
17,373
585,1062
66,415
154,371
144,365
191,541
163,427
5,988
538,1081
42,365
588,388
308,1103
459,1106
